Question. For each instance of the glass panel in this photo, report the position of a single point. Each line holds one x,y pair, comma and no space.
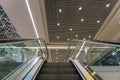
99,56
15,55
71,51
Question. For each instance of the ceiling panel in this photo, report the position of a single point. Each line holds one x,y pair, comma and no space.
70,17
58,55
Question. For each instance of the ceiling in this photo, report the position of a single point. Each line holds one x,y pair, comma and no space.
74,19
70,19
66,20
58,55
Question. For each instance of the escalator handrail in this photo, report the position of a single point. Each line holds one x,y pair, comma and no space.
16,40
90,72
98,41
44,45
87,68
24,40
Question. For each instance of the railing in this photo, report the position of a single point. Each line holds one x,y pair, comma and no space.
18,57
96,56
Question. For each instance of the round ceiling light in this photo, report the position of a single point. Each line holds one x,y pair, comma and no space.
80,8
60,10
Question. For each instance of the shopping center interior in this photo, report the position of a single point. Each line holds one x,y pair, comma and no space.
58,32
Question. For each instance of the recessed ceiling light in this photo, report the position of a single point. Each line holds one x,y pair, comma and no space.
89,36
58,24
82,20
70,29
76,35
60,10
68,39
98,21
80,8
107,5
58,37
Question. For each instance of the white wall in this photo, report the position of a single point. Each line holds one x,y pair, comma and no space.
107,72
36,11
110,30
18,13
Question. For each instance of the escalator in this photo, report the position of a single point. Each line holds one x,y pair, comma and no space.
18,58
28,61
58,71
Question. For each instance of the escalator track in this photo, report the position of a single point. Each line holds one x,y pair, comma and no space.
58,71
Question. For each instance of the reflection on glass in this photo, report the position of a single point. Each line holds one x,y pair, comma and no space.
16,54
98,56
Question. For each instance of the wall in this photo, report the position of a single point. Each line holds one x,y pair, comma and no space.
107,72
17,11
110,30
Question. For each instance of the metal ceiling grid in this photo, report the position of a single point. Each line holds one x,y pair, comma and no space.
58,55
70,17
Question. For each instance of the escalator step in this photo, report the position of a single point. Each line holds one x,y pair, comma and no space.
58,71
58,77
47,77
53,65
69,77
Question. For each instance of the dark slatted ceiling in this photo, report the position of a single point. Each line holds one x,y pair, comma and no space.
59,55
70,17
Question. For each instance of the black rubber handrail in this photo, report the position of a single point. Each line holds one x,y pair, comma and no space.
13,40
99,41
108,42
16,40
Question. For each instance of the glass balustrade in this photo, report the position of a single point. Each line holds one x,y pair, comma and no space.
16,57
98,56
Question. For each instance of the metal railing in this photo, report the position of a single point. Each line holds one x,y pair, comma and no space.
95,53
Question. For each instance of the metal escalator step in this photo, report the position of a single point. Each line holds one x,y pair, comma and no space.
69,77
58,77
53,65
46,77
58,71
